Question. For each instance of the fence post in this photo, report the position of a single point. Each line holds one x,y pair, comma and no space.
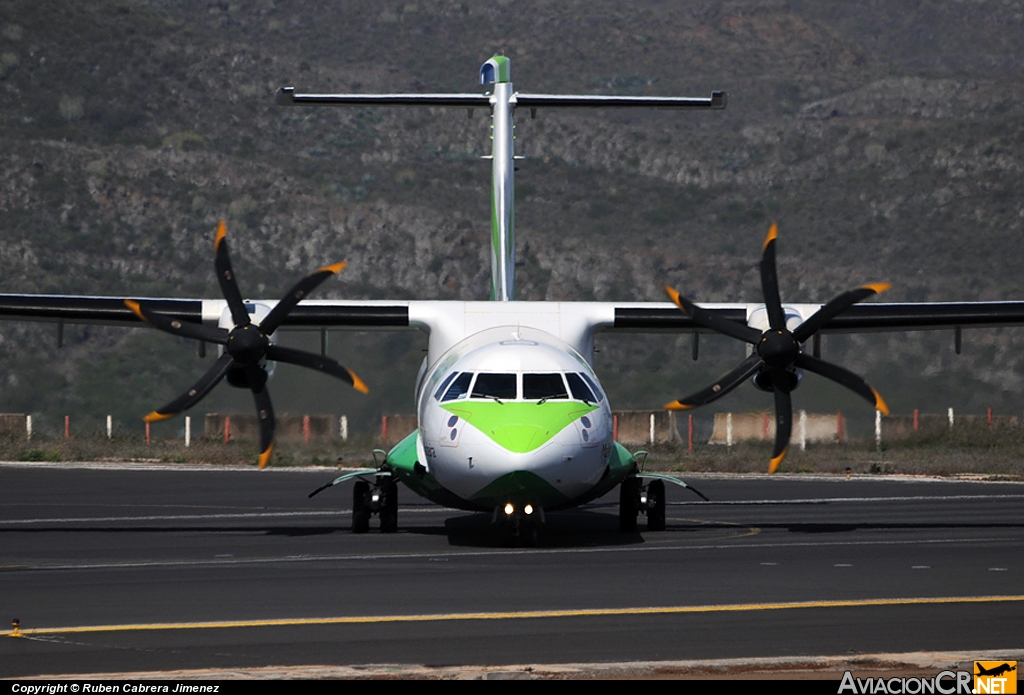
188,430
803,430
990,417
28,427
652,428
878,430
728,430
615,428
384,428
147,434
764,426
950,418
227,428
343,428
305,428
110,426
67,427
917,423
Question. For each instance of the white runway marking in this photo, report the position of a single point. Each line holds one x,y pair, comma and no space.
435,556
205,517
437,510
832,500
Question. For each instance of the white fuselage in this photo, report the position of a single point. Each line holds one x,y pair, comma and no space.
515,413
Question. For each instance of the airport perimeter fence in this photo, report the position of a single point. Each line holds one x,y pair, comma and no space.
631,427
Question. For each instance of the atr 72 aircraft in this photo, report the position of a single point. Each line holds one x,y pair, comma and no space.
512,417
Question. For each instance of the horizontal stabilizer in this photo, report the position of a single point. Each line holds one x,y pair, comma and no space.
286,96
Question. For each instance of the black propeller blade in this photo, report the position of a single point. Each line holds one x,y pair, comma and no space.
777,351
247,346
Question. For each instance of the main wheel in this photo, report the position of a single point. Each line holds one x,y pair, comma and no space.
389,507
629,503
656,506
360,507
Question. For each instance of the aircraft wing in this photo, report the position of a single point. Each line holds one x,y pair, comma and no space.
900,316
112,311
604,316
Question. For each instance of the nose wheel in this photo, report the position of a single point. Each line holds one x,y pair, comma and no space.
635,497
380,498
518,524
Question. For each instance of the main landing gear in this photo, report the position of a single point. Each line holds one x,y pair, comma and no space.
635,497
518,524
380,498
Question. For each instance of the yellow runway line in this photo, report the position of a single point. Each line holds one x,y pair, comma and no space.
521,615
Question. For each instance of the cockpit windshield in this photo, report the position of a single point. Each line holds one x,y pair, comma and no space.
580,390
459,387
535,387
501,386
543,387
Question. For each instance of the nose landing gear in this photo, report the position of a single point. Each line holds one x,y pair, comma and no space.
381,498
635,497
518,524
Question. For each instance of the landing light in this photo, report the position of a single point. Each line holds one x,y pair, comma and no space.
528,509
509,509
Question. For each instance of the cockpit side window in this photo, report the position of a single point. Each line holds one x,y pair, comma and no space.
502,386
444,385
580,390
543,387
459,387
593,386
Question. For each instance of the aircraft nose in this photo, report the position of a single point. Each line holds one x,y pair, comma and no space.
520,438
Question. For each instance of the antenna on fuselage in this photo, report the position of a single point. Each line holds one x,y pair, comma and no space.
502,100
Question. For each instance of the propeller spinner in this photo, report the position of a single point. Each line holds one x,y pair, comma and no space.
247,346
777,351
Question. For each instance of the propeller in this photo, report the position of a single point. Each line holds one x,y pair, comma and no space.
777,351
247,346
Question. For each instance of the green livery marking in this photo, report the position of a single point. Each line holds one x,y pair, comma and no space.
520,426
502,68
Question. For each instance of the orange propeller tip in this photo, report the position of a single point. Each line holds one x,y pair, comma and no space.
878,287
334,268
134,306
157,417
773,234
676,405
880,404
222,231
358,384
774,464
265,456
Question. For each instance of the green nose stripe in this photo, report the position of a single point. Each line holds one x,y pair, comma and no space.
520,426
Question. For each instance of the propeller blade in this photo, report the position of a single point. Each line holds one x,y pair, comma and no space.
318,362
183,329
302,288
195,394
843,377
264,411
226,277
783,427
733,329
727,383
770,282
835,307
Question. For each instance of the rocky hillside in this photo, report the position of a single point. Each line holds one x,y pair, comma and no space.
886,142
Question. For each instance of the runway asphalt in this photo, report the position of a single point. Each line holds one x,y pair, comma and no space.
145,567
